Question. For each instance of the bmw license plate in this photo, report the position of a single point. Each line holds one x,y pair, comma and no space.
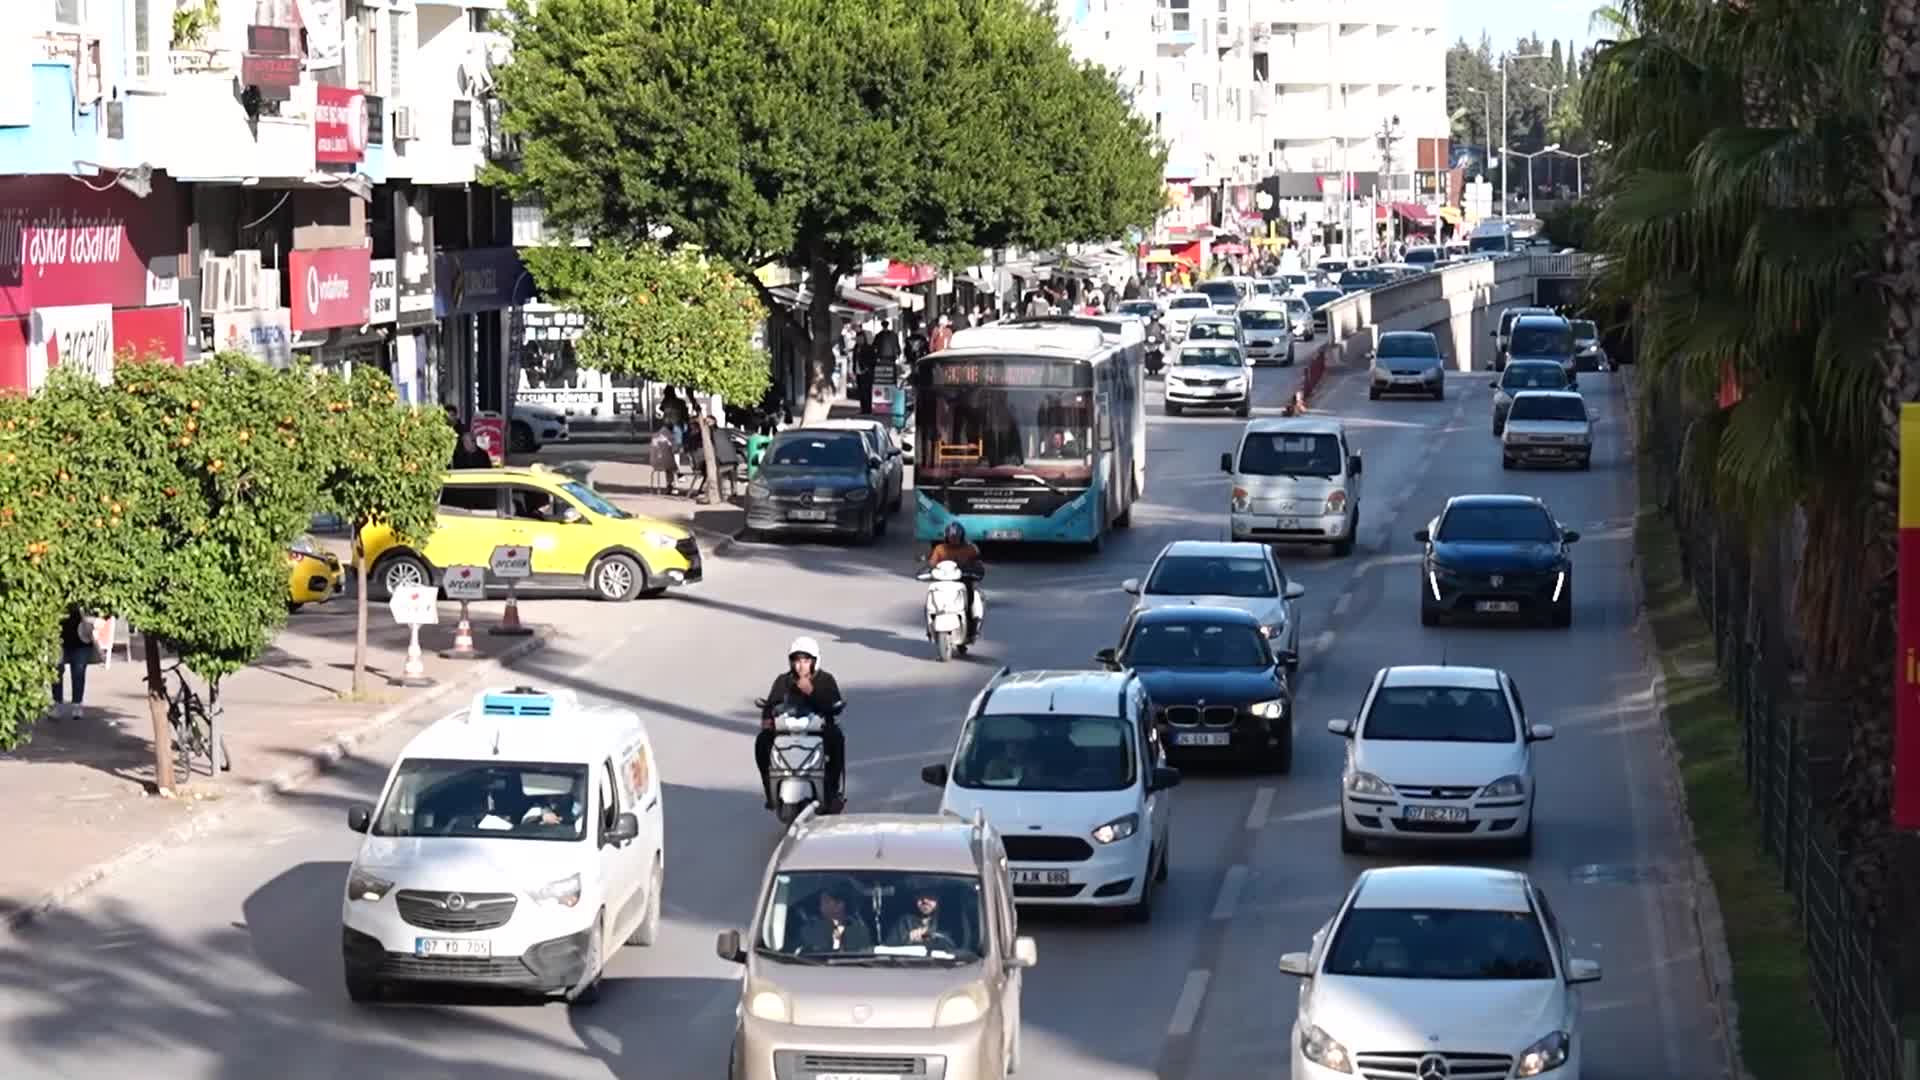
1497,607
807,515
462,948
1442,815
1040,877
1202,738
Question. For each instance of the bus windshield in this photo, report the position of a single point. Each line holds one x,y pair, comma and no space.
965,430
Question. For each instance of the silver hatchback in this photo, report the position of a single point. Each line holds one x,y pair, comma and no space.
882,945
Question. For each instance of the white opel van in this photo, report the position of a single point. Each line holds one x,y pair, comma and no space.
1296,480
516,844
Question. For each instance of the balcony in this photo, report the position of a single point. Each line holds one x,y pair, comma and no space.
1176,28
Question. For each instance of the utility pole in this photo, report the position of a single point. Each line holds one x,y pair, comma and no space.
1504,62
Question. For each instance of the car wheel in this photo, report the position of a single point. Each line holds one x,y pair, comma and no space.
879,525
649,929
1429,616
1245,409
1280,760
397,572
1172,409
1350,843
1440,393
1141,910
1497,429
1506,462
1166,859
588,991
1372,394
1343,548
618,578
520,438
1563,613
1522,846
363,991
1586,463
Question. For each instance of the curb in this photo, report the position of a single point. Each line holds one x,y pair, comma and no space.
311,763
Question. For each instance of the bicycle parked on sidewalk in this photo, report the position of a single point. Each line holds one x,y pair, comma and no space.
196,726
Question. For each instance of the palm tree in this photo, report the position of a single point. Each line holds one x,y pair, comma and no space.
1744,223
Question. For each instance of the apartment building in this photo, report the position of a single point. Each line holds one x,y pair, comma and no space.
278,176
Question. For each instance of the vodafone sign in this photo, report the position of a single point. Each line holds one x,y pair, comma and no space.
339,125
329,287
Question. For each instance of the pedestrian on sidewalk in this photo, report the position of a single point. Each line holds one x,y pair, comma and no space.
942,335
468,453
76,653
864,359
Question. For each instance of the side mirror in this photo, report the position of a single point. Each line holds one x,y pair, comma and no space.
1423,536
1294,590
1298,964
935,775
1131,586
625,827
1571,536
873,461
1540,733
1163,777
1341,727
1355,465
1282,658
727,947
1026,952
359,817
1226,463
1583,971
1109,657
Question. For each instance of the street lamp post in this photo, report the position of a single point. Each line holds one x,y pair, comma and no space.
1551,148
1579,179
1504,62
1389,130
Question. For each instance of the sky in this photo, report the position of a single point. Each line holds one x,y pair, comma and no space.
1509,20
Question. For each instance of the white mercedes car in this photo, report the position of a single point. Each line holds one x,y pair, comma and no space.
1439,973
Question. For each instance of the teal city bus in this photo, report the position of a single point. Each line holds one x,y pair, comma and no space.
1032,431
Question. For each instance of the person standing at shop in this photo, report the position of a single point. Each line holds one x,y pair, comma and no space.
864,358
942,335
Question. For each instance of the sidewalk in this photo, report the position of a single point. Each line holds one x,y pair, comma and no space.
79,793
620,471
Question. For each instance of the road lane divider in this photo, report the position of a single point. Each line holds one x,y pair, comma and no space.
1187,1009
1231,889
1262,807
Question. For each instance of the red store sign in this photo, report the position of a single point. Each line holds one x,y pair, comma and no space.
330,287
63,244
339,125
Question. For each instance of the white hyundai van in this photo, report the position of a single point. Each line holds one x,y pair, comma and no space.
1296,480
516,844
1068,766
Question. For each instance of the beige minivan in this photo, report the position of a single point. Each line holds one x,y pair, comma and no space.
882,945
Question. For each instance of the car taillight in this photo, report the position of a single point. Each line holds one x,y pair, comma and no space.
1337,503
1241,499
294,557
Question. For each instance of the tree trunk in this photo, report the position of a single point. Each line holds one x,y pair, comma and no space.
823,285
711,431
157,712
359,614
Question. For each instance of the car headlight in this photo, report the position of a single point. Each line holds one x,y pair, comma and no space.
1320,1048
1559,585
858,495
1507,787
1364,783
563,893
1117,830
305,544
659,539
770,1005
961,1007
364,886
1269,710
1544,1056
758,490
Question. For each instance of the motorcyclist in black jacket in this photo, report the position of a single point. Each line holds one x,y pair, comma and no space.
803,685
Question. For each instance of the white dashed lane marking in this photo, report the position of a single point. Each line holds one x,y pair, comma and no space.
1262,806
1187,1009
1234,884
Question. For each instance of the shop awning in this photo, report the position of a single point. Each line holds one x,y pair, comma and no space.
868,301
1414,212
1451,215
899,275
801,298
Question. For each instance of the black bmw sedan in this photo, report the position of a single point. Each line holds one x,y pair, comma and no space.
1217,688
817,481
1496,555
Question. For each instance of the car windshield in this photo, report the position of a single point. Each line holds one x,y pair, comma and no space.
1208,329
1264,319
1541,340
1547,407
1509,523
1287,454
1585,330
1534,377
591,499
1398,346
819,452
1420,256
1218,291
1438,714
1439,943
1210,356
1198,645
1212,575
493,799
872,918
1146,309
1191,302
1045,752
1297,307
1320,298
1364,277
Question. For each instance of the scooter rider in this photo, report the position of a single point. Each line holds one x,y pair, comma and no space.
954,547
803,685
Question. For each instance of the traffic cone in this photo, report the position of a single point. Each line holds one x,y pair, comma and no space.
462,639
510,625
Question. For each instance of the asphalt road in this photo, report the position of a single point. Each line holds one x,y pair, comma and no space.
220,961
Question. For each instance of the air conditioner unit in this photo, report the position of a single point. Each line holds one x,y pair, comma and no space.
1159,22
216,284
246,286
403,124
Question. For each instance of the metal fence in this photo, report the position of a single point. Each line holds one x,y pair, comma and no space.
1852,988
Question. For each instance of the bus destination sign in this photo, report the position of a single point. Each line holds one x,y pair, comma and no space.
1004,373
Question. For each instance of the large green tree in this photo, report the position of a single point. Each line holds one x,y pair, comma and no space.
672,316
820,133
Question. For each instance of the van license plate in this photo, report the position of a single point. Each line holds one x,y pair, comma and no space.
1202,738
1041,877
463,948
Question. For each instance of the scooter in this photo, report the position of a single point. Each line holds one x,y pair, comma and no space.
950,626
1156,349
797,768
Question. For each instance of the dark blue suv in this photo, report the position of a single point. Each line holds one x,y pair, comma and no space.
1496,555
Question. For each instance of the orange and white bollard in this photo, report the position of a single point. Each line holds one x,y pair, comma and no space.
463,638
510,625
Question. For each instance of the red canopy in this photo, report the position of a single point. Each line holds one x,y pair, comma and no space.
901,275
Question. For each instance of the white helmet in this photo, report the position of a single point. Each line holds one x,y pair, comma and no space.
804,646
948,570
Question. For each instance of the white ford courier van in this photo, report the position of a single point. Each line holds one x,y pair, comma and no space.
1296,480
516,844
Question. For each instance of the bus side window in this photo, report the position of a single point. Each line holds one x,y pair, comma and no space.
1103,411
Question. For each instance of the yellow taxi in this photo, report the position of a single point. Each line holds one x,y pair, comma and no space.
314,575
578,540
